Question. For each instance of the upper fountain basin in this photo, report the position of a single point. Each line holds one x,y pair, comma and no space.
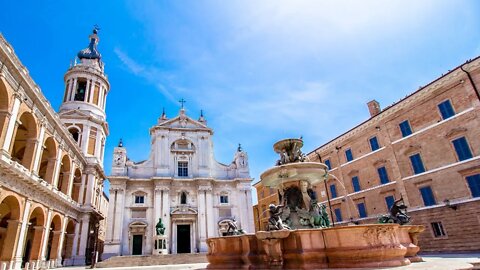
313,172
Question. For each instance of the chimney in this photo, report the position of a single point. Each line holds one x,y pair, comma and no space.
374,107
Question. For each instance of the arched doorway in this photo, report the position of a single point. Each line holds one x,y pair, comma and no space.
23,149
47,161
9,218
77,183
67,250
4,104
64,175
75,132
54,234
33,242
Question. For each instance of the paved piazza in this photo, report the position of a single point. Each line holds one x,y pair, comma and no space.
435,262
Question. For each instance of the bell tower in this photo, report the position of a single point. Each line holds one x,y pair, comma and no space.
84,100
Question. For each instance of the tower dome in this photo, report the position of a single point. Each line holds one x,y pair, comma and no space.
91,52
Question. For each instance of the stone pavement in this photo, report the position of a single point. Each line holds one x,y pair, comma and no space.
432,262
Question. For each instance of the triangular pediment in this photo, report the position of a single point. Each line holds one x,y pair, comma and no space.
182,121
73,113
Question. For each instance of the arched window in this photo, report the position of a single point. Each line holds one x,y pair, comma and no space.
75,133
183,198
81,90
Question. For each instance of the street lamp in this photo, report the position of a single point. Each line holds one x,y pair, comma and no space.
95,253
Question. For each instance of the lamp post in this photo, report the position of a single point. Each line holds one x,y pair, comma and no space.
95,253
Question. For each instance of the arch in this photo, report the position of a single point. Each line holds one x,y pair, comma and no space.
67,249
4,105
76,133
47,161
182,145
77,183
25,139
10,211
35,234
64,175
53,243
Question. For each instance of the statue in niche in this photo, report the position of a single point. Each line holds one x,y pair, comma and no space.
275,222
398,213
160,228
304,186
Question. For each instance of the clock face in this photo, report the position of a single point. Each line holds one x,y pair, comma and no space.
118,158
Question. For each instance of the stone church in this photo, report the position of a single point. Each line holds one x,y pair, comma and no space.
181,183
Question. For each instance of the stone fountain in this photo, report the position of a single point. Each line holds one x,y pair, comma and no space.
299,236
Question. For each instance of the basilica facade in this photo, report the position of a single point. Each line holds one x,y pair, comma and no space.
180,183
52,205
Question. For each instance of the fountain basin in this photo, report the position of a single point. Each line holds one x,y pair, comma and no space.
313,172
363,246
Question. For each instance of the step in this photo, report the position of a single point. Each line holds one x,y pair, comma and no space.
167,259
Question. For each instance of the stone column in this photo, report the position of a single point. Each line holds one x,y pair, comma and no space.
166,210
211,226
61,242
47,233
71,179
74,90
85,136
22,235
202,222
174,236
81,192
241,202
11,124
88,92
36,249
76,238
38,150
90,188
56,169
250,228
84,231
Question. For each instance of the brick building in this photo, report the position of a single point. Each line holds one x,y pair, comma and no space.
424,148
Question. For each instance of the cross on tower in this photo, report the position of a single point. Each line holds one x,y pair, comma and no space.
182,101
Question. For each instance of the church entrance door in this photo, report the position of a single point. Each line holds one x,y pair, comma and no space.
183,238
137,245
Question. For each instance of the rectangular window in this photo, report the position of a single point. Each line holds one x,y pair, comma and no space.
223,199
462,148
374,143
356,184
182,168
333,191
382,173
329,165
427,196
438,230
474,184
446,109
139,199
389,200
338,214
362,212
348,154
417,164
405,128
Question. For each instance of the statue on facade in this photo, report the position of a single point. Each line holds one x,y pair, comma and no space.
160,228
398,214
275,222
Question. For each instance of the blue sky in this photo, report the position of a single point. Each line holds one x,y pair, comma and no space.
260,70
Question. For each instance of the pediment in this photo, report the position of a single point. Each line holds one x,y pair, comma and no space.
185,122
74,114
184,210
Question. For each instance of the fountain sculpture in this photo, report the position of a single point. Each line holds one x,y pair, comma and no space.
298,234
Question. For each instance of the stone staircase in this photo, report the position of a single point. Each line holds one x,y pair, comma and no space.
120,261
